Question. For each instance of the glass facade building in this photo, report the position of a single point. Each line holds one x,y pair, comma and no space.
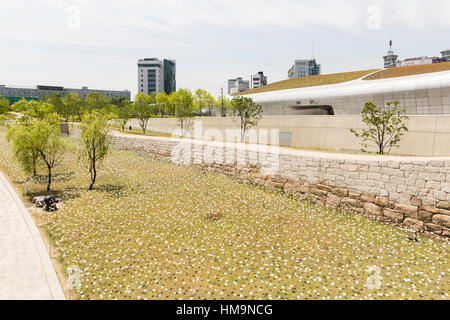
156,76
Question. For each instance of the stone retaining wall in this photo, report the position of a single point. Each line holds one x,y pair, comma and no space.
409,192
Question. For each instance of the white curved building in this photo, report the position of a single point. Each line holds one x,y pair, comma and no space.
420,94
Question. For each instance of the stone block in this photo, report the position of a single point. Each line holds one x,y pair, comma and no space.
393,215
443,205
414,224
368,198
425,216
341,192
372,209
442,220
409,211
333,201
382,201
416,202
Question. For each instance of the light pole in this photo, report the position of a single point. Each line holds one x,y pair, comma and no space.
223,110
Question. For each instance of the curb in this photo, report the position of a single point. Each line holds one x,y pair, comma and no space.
52,278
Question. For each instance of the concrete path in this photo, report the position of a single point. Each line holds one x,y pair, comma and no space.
26,271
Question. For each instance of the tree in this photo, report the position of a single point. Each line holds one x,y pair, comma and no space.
162,100
386,126
248,112
96,101
72,105
24,147
95,141
49,144
58,105
20,105
123,111
40,140
4,105
144,108
223,104
184,109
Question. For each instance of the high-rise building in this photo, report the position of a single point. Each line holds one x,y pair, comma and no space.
304,68
238,85
446,55
390,60
156,75
258,80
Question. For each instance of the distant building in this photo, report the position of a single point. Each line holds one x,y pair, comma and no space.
304,68
416,61
390,60
258,80
156,75
14,94
238,85
446,55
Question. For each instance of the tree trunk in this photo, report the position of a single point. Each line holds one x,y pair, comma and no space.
93,176
49,184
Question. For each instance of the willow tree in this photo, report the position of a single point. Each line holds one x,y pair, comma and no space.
95,141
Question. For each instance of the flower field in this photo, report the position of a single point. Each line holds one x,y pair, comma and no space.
153,230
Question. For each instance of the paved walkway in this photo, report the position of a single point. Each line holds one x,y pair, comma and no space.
26,271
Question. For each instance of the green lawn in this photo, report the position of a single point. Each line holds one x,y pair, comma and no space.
153,230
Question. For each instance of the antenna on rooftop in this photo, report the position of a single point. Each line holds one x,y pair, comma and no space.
312,49
390,45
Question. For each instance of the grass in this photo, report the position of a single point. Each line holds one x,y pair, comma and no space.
409,71
311,81
153,230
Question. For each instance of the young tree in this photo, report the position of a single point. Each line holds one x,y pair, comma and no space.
95,141
223,104
96,101
386,126
123,112
144,108
58,105
4,105
248,112
40,140
72,106
24,147
49,144
185,109
162,101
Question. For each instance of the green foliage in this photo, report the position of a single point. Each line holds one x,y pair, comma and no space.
123,112
72,106
96,101
248,112
23,147
223,104
37,142
4,105
144,108
163,103
95,141
20,105
185,109
386,126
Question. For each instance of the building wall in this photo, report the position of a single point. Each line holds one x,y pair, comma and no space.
427,94
409,192
428,135
150,76
16,94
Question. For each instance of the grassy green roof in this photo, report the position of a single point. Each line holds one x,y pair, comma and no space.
311,81
409,71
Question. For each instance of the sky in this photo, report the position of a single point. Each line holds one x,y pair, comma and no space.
97,43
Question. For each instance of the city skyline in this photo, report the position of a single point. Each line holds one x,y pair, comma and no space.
97,44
